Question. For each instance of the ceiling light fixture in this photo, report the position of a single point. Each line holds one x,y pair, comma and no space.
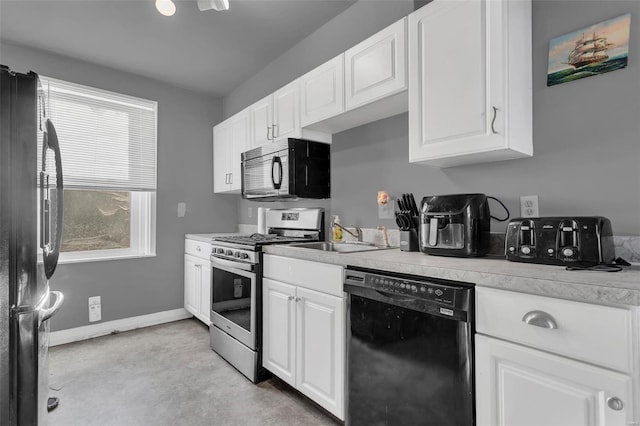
213,4
166,7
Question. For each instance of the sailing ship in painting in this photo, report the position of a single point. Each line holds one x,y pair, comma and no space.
601,48
590,50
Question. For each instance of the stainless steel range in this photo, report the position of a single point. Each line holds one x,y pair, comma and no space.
236,287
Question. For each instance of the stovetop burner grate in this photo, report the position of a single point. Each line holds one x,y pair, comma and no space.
257,239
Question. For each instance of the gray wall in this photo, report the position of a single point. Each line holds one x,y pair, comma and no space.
586,135
142,286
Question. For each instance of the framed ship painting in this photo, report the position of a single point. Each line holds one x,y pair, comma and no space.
594,50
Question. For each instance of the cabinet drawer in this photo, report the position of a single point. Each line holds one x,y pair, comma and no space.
593,333
321,277
197,248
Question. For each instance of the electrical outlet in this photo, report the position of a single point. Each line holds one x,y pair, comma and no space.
95,309
249,212
529,206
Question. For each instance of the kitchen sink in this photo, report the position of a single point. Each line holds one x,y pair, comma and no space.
351,247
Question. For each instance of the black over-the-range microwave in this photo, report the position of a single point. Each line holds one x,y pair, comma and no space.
287,169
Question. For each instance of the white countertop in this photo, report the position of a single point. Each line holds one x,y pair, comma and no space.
611,288
206,238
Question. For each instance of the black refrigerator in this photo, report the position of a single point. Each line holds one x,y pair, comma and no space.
31,207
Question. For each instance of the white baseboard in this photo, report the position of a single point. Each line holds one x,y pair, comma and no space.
102,329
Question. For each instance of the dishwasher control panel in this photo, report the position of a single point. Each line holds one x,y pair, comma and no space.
429,291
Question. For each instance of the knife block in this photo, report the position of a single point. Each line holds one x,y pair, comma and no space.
409,240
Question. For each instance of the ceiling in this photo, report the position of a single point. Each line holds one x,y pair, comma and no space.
209,51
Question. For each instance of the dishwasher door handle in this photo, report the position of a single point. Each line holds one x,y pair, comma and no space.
396,297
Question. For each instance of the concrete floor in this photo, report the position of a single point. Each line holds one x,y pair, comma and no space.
165,375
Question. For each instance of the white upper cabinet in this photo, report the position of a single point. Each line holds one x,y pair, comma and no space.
221,143
376,68
230,139
262,121
322,92
470,82
365,84
286,112
240,140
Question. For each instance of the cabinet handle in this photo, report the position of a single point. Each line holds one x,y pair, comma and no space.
226,178
298,299
615,403
495,114
273,131
268,128
198,248
291,297
230,178
540,319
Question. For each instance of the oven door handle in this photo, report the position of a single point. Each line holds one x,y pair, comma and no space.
215,260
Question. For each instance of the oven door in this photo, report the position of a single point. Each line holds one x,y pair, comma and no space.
233,299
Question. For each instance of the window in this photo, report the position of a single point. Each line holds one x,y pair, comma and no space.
108,146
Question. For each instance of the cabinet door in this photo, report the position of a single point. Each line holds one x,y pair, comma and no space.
262,121
321,349
460,58
322,92
221,142
278,329
286,112
520,386
240,136
376,67
191,284
204,308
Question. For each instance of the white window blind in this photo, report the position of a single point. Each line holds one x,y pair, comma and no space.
107,140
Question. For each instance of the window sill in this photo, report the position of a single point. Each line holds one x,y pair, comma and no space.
102,258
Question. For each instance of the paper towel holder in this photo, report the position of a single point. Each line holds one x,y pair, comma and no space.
262,223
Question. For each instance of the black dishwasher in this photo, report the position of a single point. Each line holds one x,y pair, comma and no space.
410,350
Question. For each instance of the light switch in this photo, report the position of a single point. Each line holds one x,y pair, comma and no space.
386,212
182,209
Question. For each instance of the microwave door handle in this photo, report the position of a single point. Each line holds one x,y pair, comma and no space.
278,161
50,256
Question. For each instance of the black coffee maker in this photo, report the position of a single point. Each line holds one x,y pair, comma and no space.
455,225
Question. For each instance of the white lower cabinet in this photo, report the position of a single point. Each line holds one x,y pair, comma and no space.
520,386
552,362
304,330
197,279
279,329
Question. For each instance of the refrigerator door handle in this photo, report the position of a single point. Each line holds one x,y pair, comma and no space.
46,314
50,256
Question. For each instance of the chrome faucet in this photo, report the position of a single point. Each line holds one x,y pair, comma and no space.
357,235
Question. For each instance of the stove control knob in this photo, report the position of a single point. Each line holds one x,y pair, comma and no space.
567,252
439,292
219,250
229,252
237,254
244,255
525,250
